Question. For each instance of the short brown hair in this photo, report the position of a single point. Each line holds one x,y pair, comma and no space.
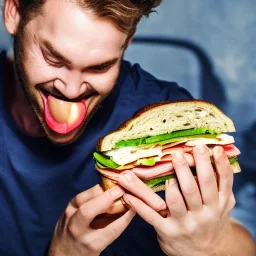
124,13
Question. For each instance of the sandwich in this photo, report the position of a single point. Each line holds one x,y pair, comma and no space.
144,144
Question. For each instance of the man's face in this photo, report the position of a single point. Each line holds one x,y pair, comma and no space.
70,63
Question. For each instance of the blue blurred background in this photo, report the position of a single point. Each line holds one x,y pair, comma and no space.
208,47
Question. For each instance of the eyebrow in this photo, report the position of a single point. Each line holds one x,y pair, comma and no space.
62,58
105,64
56,53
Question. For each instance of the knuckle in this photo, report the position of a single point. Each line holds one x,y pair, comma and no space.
226,171
169,232
189,190
209,179
86,212
127,179
150,218
68,213
172,199
79,199
72,230
190,228
190,160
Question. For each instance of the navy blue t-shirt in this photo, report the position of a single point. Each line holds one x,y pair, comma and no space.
38,179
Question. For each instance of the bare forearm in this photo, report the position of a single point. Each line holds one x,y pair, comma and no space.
238,241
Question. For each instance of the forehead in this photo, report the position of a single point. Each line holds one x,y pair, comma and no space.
77,30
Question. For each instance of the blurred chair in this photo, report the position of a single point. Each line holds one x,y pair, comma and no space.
212,89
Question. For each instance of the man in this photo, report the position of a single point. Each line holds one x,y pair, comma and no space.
66,87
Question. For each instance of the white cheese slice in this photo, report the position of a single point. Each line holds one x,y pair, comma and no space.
221,139
125,155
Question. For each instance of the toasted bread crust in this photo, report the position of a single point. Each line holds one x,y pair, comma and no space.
236,167
107,183
103,144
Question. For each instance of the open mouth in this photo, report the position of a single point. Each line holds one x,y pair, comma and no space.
63,116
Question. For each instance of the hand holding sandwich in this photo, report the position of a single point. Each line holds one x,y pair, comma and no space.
74,234
181,139
198,222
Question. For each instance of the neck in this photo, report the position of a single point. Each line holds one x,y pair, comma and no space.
18,104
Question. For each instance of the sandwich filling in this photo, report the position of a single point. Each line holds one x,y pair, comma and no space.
150,158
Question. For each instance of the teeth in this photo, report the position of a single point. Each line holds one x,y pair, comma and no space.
60,110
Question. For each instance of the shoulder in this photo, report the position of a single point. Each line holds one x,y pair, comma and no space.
137,81
135,89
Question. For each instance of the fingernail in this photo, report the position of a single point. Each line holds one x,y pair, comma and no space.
126,177
116,192
161,206
171,181
179,156
126,199
200,148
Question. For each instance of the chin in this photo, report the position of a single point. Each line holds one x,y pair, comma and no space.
64,139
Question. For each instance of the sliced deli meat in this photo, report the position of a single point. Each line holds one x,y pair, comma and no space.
231,150
126,155
163,164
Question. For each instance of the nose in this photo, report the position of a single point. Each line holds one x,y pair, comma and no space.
72,87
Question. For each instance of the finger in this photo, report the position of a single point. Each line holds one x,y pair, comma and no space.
145,211
189,159
224,172
116,228
98,205
205,174
187,183
132,183
84,196
174,199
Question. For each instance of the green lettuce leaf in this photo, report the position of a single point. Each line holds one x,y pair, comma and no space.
104,160
156,181
233,160
164,137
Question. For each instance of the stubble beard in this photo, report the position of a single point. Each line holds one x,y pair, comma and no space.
19,55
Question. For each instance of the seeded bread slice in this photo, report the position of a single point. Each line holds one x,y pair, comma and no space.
166,117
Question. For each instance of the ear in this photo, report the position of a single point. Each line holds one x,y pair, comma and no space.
11,16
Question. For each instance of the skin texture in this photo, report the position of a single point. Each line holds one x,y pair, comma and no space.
77,234
87,42
80,77
193,226
198,222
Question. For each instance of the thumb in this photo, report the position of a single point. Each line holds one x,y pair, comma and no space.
111,232
85,196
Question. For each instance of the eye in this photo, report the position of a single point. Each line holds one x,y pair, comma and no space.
51,60
101,68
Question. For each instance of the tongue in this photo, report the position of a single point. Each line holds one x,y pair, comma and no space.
63,116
